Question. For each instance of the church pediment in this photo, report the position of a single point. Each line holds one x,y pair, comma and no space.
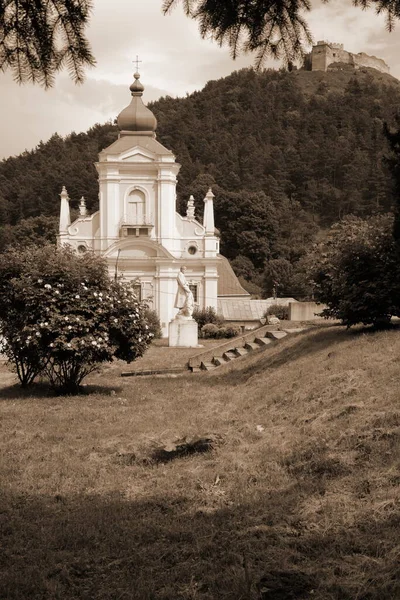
139,250
138,155
133,251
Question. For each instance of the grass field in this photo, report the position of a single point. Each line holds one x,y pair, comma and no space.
301,491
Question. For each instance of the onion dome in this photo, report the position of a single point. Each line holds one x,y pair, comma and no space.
137,117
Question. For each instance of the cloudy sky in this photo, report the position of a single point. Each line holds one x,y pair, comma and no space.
176,61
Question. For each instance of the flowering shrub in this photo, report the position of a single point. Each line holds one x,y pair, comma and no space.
153,322
61,315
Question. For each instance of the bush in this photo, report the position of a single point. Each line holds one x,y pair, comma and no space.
153,322
61,315
232,331
212,331
207,315
278,310
356,271
209,331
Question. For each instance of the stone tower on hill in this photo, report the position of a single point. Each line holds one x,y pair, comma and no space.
326,55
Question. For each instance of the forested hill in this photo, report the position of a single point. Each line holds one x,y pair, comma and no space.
286,153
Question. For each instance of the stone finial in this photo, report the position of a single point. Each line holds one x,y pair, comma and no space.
190,208
208,217
209,195
65,216
82,207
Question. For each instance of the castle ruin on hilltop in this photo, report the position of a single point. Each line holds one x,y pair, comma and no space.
326,54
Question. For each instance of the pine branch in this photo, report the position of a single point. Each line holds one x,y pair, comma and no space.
39,37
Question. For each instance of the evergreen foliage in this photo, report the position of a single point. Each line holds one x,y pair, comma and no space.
39,38
275,29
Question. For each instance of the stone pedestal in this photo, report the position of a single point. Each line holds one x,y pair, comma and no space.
183,332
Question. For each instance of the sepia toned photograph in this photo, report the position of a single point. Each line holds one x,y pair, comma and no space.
199,300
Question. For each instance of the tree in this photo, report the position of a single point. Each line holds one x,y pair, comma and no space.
61,315
39,38
277,277
356,271
36,231
270,28
393,162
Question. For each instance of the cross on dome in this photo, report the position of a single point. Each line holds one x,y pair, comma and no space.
137,61
137,117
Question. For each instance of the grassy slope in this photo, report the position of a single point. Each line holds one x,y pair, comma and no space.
83,516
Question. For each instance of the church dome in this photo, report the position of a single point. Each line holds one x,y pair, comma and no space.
136,116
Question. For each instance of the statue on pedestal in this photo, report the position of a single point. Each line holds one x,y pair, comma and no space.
184,297
183,330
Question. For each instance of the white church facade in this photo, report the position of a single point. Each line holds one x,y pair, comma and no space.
137,228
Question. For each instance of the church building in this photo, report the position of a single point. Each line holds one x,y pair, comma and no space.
137,228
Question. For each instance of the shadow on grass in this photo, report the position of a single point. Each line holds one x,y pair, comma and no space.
44,390
164,548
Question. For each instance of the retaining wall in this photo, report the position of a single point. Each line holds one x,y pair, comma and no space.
305,311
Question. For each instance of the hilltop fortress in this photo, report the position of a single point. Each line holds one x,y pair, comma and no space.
326,54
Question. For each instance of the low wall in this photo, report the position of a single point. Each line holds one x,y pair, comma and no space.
305,311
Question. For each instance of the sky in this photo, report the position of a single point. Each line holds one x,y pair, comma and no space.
175,61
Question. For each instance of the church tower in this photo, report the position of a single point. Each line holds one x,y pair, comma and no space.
137,177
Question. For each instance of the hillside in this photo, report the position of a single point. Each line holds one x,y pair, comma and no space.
336,81
301,489
286,153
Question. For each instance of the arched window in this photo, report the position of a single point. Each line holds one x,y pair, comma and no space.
136,208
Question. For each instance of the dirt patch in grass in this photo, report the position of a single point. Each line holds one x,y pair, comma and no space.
300,498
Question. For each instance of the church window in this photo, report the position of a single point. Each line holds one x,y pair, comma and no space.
194,288
82,248
135,210
192,250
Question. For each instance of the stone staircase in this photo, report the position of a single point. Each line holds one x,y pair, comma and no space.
224,354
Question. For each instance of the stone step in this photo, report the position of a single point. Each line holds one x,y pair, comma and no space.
208,366
263,341
229,355
196,369
276,335
240,351
294,329
252,346
219,360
